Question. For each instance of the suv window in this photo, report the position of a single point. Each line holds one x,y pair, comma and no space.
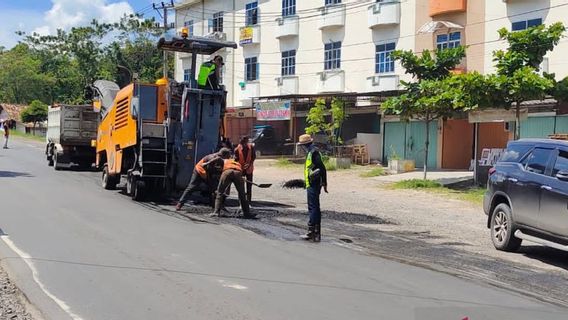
561,163
514,153
537,160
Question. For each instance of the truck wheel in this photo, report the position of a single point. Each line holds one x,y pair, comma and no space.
109,182
56,162
138,188
502,229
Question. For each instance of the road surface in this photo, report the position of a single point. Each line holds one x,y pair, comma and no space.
80,252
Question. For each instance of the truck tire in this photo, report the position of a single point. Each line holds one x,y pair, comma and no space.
56,163
138,189
503,229
109,182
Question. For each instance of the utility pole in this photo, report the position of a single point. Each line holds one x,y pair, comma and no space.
164,6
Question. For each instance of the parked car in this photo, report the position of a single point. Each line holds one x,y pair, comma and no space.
527,195
267,143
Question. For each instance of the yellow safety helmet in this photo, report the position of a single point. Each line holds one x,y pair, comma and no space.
162,82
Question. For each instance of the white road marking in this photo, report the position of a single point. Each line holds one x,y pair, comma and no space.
27,259
231,285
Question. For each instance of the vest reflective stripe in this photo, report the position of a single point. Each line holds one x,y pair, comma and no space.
204,72
200,170
248,160
231,164
307,167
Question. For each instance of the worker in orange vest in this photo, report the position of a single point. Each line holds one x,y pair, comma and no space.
245,155
232,173
207,170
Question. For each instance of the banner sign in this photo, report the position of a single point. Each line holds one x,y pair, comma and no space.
267,111
246,35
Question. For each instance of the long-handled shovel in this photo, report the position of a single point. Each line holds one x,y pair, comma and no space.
261,185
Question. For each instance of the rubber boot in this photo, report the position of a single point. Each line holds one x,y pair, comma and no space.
219,201
311,233
317,233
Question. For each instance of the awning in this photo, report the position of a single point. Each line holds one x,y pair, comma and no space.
433,26
197,45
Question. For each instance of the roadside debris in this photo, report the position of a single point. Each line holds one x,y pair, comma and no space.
11,306
294,184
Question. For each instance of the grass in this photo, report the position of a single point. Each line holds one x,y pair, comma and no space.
469,194
375,172
285,163
416,184
26,136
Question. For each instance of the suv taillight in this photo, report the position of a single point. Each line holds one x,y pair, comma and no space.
492,171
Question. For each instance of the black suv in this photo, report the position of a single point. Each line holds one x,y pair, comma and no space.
527,195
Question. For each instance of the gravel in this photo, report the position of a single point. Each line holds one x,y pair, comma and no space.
11,300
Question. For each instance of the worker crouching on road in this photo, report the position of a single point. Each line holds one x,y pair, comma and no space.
207,170
315,176
210,73
232,173
245,156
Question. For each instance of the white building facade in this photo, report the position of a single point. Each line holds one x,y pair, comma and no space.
298,47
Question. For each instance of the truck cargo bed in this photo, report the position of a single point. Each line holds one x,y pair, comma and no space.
72,125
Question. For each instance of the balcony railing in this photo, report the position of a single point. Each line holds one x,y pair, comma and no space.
384,13
331,81
288,27
383,82
288,85
332,16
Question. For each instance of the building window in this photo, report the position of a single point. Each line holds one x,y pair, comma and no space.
332,2
189,25
216,23
332,58
251,13
289,63
523,25
450,40
186,74
288,8
251,69
383,61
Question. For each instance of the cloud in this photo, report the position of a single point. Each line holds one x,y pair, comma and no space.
65,14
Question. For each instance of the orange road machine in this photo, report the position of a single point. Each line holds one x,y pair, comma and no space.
153,134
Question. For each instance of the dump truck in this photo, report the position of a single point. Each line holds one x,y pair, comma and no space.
154,134
70,129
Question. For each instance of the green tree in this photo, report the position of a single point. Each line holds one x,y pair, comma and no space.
35,113
318,122
517,79
21,79
436,93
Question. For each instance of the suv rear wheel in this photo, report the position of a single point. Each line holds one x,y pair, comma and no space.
502,230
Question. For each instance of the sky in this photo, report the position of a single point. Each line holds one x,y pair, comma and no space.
46,16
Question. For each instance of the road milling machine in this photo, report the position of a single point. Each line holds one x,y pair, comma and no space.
154,134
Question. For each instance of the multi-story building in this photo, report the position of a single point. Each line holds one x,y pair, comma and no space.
310,48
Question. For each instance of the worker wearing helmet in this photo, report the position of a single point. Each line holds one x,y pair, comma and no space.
232,174
207,170
210,73
245,155
315,176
